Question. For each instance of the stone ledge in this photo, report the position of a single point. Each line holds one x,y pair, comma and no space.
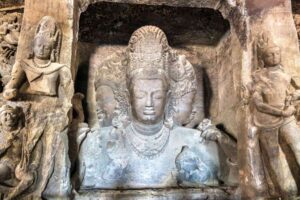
208,193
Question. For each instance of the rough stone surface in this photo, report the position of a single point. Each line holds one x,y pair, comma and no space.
176,194
183,26
9,36
11,3
296,15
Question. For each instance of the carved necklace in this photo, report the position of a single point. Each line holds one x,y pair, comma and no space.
41,66
147,146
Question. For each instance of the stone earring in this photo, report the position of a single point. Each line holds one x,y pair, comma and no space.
53,57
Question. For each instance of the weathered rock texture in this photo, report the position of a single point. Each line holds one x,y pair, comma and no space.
296,15
9,36
11,3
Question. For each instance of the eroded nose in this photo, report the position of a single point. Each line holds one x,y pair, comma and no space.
149,102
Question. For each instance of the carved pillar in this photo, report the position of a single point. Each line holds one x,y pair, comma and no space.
275,18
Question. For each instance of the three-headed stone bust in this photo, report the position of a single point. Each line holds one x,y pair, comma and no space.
149,152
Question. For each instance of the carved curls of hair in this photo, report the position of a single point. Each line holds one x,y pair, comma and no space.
145,31
49,28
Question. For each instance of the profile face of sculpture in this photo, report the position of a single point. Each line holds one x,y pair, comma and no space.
272,56
148,100
8,118
106,104
184,108
42,48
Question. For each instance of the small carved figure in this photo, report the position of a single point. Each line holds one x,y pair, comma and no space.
27,169
41,74
10,24
11,133
17,164
273,113
11,30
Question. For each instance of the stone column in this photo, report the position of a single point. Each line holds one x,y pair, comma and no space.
273,17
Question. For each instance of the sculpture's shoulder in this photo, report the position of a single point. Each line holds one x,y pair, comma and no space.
180,129
64,70
103,132
29,66
191,137
186,134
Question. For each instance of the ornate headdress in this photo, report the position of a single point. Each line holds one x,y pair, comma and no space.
148,51
263,44
49,31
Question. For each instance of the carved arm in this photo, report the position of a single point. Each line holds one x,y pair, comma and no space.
265,108
17,78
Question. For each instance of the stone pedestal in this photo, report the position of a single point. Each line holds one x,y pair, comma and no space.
160,194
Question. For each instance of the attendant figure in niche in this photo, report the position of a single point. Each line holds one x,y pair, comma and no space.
11,133
273,114
41,74
18,168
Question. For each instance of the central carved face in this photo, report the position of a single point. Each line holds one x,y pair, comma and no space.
8,119
148,98
272,56
42,48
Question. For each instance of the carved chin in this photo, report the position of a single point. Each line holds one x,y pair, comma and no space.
149,118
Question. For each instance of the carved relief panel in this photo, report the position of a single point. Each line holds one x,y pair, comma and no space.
35,117
274,95
10,27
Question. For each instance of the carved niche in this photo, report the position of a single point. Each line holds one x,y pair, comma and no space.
10,26
274,94
144,147
44,87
